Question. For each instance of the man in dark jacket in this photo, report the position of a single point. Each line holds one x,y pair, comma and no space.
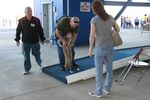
30,30
66,25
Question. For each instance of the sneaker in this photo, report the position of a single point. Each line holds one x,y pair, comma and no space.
26,73
75,65
62,68
70,71
91,93
106,92
40,65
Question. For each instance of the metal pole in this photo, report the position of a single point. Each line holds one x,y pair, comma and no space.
67,7
123,8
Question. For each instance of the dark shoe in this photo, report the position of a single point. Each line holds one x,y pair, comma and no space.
40,65
62,68
26,73
75,65
70,71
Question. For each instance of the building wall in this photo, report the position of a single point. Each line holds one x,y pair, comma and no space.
57,7
38,8
72,8
85,17
58,4
69,8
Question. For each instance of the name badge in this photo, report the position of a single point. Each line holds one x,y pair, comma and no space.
32,25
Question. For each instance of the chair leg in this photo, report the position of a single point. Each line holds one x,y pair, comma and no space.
141,75
125,72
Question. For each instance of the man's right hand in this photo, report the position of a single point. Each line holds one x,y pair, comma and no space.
17,43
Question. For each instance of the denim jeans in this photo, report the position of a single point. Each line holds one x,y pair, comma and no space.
103,55
61,55
26,49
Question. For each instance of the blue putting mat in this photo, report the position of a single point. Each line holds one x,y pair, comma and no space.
85,63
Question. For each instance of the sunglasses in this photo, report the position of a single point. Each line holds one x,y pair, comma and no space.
76,22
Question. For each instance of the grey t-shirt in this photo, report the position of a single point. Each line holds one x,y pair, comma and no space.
103,31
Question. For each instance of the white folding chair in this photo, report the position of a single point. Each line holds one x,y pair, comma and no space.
136,62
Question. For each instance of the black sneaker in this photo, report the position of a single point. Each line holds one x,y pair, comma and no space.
62,68
26,73
40,65
76,66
